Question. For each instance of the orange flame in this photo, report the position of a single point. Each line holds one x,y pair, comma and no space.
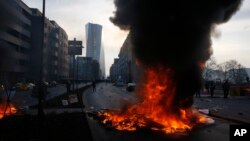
156,109
6,110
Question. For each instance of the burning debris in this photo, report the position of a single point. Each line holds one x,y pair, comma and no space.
6,110
156,108
171,40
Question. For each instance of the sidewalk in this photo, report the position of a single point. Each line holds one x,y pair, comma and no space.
24,99
233,108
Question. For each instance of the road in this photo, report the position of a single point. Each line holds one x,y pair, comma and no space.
108,96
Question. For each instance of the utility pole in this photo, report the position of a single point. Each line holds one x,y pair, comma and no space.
41,85
74,71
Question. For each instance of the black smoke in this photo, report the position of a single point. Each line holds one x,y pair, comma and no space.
175,34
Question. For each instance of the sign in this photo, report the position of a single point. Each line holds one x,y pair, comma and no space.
75,50
75,47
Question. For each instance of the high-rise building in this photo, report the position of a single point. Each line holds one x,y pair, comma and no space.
94,47
15,38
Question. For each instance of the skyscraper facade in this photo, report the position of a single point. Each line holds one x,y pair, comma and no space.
93,45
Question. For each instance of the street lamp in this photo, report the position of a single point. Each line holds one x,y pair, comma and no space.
41,89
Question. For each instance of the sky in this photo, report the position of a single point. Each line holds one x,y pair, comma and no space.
233,41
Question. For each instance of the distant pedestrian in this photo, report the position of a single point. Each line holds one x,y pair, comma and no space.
45,90
212,88
247,79
226,87
94,85
207,87
68,86
1,92
198,93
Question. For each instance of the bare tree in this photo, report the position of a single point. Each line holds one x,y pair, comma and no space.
233,71
210,69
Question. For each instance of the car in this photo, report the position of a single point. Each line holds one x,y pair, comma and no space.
22,86
31,85
1,87
130,87
53,83
119,84
45,83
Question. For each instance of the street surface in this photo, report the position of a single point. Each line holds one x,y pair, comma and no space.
234,108
111,97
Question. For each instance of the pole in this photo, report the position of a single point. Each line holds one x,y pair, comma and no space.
73,74
77,81
41,89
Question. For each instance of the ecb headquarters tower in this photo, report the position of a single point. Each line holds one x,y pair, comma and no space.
94,46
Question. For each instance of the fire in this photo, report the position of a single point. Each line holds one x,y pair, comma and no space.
157,109
6,110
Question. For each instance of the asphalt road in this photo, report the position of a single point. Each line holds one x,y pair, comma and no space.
108,96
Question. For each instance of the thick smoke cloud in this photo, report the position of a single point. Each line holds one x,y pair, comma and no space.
174,34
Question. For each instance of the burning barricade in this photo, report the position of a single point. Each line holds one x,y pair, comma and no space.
156,109
172,42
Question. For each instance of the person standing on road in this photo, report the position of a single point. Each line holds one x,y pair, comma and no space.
198,93
207,87
226,87
212,88
1,92
94,85
247,79
68,86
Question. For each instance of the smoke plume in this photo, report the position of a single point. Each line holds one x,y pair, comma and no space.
175,34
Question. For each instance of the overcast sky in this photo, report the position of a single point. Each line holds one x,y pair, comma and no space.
72,15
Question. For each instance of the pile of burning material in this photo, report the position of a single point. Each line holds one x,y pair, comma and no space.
6,110
157,109
171,42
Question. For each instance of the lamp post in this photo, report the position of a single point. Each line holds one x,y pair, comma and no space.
73,74
77,79
41,87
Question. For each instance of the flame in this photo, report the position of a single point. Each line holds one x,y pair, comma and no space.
156,109
6,110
